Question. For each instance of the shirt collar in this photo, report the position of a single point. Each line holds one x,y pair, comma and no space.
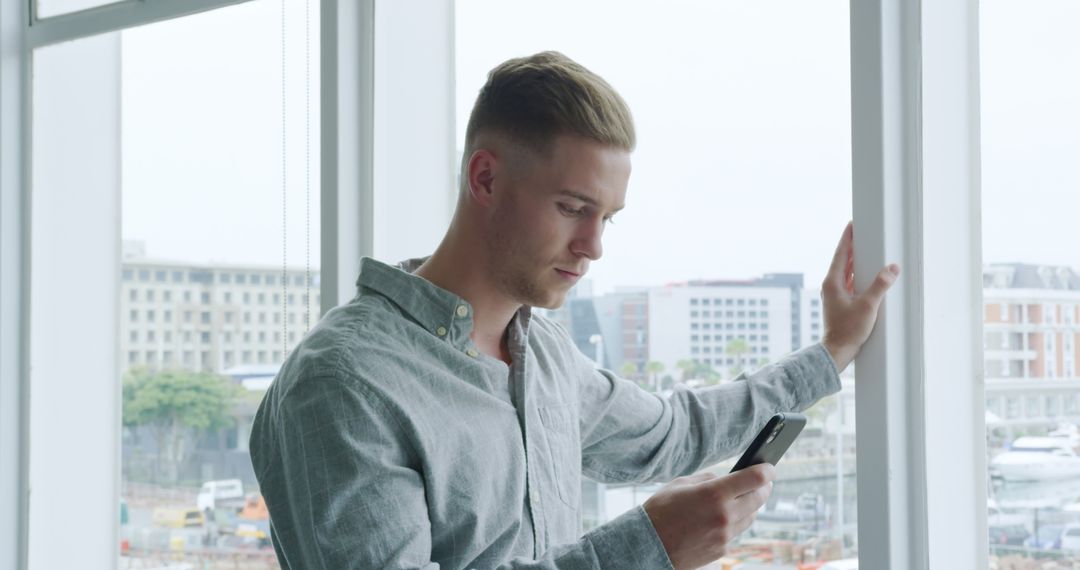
440,312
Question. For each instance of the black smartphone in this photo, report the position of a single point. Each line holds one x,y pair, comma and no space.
772,441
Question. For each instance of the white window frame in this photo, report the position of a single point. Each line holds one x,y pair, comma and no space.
915,162
915,179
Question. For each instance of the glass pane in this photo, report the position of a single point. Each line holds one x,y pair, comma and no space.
206,303
743,124
171,172
1031,293
46,8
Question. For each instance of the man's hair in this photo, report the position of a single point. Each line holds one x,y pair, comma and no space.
532,100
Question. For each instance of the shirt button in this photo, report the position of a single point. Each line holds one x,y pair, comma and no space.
462,310
535,500
472,352
441,331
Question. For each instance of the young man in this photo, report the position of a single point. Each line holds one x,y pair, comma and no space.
435,422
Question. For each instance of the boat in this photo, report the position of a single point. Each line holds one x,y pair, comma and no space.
807,513
1037,459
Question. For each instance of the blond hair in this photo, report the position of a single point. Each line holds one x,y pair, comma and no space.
533,100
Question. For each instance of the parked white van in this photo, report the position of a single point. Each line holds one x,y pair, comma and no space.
216,494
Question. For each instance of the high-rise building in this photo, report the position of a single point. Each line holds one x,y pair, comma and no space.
731,325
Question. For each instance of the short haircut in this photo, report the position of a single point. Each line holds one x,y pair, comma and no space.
533,100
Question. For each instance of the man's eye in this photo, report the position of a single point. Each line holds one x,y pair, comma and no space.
570,211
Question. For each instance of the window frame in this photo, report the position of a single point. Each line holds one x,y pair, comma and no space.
915,153
915,161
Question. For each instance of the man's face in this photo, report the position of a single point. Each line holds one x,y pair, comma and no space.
549,217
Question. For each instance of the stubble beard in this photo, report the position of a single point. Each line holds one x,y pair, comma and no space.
510,268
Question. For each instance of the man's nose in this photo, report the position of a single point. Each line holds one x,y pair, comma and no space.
588,240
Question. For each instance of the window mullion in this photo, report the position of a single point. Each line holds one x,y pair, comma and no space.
885,178
348,109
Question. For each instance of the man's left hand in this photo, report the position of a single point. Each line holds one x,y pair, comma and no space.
850,316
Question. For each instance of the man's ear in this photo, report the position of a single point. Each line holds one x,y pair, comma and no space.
482,167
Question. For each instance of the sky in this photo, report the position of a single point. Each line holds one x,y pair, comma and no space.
743,165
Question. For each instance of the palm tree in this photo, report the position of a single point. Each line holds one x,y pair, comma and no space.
688,368
654,369
737,348
628,369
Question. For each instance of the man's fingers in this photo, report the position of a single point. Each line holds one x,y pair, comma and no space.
746,505
884,280
837,271
744,481
698,477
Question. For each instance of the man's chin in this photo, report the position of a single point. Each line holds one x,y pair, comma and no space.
551,301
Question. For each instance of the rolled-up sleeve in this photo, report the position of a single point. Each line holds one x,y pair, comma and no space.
630,435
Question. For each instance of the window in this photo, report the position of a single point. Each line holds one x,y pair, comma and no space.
700,59
1012,407
195,178
1051,406
1028,126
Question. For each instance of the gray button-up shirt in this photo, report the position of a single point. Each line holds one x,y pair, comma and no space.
389,441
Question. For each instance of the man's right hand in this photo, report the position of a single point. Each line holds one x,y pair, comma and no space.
697,516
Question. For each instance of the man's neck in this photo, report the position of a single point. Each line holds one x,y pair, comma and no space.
464,275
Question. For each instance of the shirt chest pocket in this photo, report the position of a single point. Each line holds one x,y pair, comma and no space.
561,434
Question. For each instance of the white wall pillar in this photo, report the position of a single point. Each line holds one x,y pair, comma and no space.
75,397
415,156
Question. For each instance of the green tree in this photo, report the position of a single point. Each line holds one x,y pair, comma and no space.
654,368
628,369
176,405
687,368
737,348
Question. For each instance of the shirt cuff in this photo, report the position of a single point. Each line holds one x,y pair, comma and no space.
629,542
815,374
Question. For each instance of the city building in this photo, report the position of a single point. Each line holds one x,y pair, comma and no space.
1031,331
211,318
731,326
